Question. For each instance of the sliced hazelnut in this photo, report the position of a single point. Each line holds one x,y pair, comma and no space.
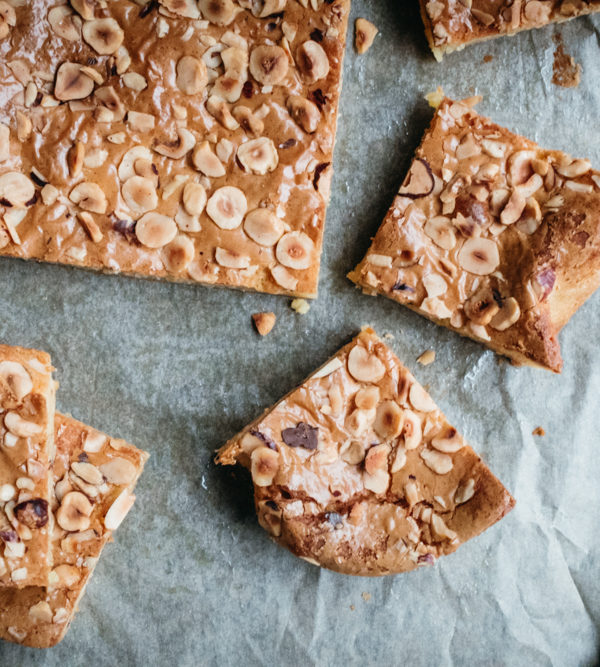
367,397
399,459
135,81
118,471
258,156
353,452
89,196
364,34
127,166
264,465
359,421
141,122
220,12
191,75
263,8
440,530
187,222
85,8
574,169
464,492
388,420
263,227
230,259
179,254
508,314
139,195
364,366
448,441
264,322
90,225
376,458
420,399
305,113
16,188
420,181
185,8
75,158
312,61
94,442
68,576
207,162
88,472
103,35
65,23
284,278
295,250
21,427
520,167
72,83
227,207
41,612
249,121
74,512
378,482
441,232
155,230
14,376
217,107
435,285
194,198
176,148
479,256
269,64
119,510
481,306
436,461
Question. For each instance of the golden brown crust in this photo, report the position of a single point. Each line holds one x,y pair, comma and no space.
358,471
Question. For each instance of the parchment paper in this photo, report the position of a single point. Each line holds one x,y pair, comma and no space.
191,578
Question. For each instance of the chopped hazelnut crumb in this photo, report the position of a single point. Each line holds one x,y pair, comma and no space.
352,607
366,596
428,357
301,306
365,33
264,322
539,431
435,97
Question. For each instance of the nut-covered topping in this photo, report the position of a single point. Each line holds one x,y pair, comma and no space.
364,34
230,259
508,314
258,156
103,35
388,420
441,232
227,207
14,377
41,612
419,182
88,472
176,148
312,61
221,12
263,227
178,254
85,8
207,162
520,167
268,64
295,250
21,427
479,256
118,510
264,322
89,197
364,366
378,482
155,230
264,465
465,491
118,471
420,399
194,198
436,461
32,513
139,194
191,75
305,113
65,23
367,397
302,435
16,189
74,512
481,306
448,441
376,458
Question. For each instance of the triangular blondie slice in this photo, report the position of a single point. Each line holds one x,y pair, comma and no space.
358,470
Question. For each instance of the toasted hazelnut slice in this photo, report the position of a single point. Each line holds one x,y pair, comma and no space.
479,256
227,207
378,482
465,491
481,306
139,195
264,465
353,452
85,8
16,188
187,222
74,512
103,35
436,461
41,612
230,259
194,198
359,421
448,441
220,12
574,169
65,23
420,181
388,420
312,61
118,471
508,314
520,167
420,399
251,124
21,427
127,166
440,530
364,366
119,510
295,250
441,232
250,442
155,230
90,225
72,83
263,8
185,8
68,576
207,162
367,397
178,254
263,227
14,376
284,278
191,75
264,322
399,459
75,158
305,113
364,34
258,156
141,122
176,148
217,107
88,472
89,197
376,458
269,64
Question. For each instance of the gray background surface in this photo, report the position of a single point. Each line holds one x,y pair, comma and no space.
192,579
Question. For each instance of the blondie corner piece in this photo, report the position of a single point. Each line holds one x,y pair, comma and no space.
180,140
27,393
491,236
93,478
450,25
358,471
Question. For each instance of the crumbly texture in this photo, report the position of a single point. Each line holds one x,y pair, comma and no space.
93,479
26,452
450,25
181,140
491,236
358,471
